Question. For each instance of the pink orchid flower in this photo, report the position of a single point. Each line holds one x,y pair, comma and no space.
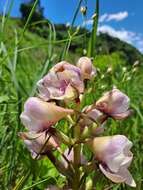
114,155
39,143
114,103
63,82
39,115
87,69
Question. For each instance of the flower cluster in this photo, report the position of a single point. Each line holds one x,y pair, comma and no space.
65,84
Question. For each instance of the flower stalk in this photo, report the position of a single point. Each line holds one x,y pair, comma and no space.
62,94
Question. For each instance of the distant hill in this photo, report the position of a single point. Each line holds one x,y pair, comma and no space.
105,45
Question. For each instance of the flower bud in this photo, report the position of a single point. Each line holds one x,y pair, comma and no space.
87,70
83,10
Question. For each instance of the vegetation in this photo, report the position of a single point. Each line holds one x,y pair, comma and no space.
24,58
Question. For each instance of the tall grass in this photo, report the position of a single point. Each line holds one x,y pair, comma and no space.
26,57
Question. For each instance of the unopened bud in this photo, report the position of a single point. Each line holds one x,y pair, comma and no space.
94,16
83,10
136,63
124,69
109,70
85,64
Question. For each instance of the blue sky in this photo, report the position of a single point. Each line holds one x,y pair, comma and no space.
122,19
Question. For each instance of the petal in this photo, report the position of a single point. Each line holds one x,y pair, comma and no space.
91,115
43,91
56,83
115,162
113,102
111,149
64,65
70,157
112,176
117,145
117,153
99,145
39,115
122,176
38,143
70,93
122,115
127,176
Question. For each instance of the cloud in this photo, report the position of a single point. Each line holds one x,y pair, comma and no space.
103,17
124,35
121,34
88,22
109,17
116,16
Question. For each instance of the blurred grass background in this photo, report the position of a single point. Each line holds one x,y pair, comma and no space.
27,51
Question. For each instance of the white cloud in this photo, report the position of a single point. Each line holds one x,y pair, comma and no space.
103,17
88,22
108,17
116,16
121,34
125,35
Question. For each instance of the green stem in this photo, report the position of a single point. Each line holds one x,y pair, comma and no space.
77,150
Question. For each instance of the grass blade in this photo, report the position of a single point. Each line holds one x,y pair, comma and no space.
92,41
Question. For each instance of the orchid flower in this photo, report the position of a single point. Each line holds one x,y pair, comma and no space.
63,82
39,143
114,155
39,115
114,103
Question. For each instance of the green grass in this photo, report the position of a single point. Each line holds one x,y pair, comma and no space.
24,58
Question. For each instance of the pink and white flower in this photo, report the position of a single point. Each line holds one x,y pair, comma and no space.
63,82
39,115
39,143
114,155
114,103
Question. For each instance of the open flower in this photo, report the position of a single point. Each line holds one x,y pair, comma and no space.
114,103
39,115
39,143
63,82
87,69
114,155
